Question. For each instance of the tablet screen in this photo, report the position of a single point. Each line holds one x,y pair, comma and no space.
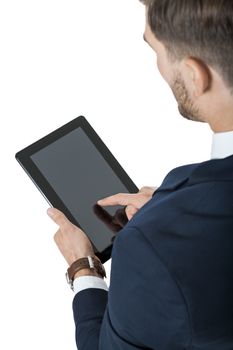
79,174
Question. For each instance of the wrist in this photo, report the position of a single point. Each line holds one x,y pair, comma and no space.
87,266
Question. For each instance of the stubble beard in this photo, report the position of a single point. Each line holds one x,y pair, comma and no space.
185,104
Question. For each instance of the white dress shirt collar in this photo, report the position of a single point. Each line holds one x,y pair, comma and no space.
222,145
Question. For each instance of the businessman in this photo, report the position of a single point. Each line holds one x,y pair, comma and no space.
171,284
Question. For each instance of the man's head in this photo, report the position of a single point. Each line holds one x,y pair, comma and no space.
193,40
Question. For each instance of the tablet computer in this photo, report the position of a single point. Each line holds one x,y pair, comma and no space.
73,168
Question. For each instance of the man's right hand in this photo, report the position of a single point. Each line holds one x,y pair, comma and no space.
133,202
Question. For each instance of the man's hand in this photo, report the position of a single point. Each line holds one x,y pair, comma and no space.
133,202
71,240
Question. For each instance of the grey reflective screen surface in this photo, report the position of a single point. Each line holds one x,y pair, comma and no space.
80,176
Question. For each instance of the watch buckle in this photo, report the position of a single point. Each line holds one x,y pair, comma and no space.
91,262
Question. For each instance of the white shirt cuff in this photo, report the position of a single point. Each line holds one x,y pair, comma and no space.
85,282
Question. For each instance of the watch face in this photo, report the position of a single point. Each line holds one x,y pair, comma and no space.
69,281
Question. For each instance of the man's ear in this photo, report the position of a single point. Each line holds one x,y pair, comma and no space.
198,76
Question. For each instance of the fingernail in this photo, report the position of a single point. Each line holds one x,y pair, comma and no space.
50,212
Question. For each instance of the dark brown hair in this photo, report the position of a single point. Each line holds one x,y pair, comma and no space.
198,28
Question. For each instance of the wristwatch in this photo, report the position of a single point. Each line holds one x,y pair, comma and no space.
89,262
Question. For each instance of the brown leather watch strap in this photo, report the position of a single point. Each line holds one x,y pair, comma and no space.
89,262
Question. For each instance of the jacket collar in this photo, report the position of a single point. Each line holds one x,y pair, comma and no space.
211,170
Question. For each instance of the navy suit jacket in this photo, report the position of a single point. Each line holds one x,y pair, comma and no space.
171,284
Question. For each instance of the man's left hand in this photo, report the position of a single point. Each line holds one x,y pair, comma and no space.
71,240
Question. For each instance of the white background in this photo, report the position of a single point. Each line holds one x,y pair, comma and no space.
60,59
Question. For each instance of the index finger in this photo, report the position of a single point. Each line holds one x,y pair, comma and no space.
117,199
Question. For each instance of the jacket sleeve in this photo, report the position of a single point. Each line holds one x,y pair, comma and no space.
88,308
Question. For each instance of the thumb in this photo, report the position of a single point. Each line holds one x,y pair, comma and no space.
58,217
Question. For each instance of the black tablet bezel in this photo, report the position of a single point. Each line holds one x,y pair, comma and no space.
23,157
